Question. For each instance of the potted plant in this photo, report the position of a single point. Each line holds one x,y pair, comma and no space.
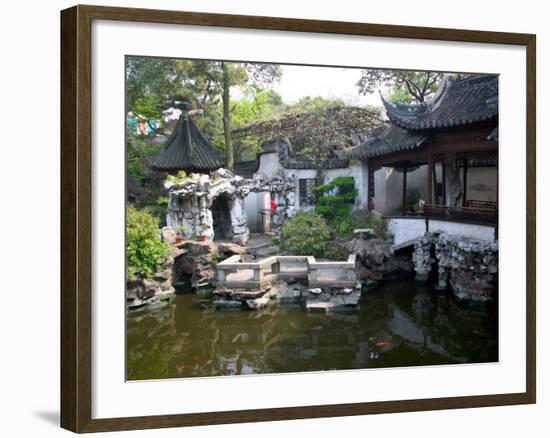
200,236
180,235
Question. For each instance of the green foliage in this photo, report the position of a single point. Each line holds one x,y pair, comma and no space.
255,106
144,251
178,179
137,152
135,170
306,233
148,106
317,103
409,85
335,251
398,94
155,83
162,201
335,201
365,219
413,196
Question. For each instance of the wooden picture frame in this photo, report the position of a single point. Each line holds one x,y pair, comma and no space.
76,217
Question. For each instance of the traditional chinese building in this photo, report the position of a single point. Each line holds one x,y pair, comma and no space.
187,149
209,200
434,166
443,153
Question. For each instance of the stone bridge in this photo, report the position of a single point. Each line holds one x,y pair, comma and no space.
236,273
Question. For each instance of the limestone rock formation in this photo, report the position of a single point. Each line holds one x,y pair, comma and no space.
468,266
192,198
376,258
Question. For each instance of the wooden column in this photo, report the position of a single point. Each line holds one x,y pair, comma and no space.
434,180
371,188
465,180
404,205
429,187
443,181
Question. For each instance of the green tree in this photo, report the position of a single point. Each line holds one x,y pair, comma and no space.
202,84
334,202
148,106
417,84
242,74
316,103
144,250
255,106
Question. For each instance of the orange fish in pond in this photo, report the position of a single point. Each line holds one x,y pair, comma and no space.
382,344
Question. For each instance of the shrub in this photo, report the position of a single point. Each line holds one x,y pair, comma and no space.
413,196
162,201
306,233
335,251
335,201
144,250
365,219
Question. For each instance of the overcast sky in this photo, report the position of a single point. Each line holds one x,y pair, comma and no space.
332,82
298,81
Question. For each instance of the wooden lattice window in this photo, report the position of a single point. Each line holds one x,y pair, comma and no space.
305,190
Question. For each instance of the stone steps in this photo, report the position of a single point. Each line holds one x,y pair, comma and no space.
258,246
267,251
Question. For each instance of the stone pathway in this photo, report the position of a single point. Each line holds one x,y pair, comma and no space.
261,245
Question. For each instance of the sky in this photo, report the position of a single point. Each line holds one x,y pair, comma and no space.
332,82
298,81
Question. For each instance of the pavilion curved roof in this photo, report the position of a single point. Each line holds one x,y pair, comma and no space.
187,149
457,102
386,141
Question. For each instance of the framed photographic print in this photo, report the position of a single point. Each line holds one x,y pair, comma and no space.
268,218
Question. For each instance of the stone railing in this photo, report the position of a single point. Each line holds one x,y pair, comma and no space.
233,272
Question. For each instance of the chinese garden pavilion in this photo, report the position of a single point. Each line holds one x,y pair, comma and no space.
454,132
187,149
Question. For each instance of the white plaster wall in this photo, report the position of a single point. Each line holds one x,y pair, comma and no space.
269,165
359,172
404,229
482,184
253,203
481,232
300,174
416,180
388,188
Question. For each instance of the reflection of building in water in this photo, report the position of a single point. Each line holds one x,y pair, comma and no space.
396,327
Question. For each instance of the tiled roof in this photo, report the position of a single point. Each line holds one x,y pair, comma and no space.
331,163
247,168
457,102
386,141
187,149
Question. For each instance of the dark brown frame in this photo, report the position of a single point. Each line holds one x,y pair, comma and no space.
76,242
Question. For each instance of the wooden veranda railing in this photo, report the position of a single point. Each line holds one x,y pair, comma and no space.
479,212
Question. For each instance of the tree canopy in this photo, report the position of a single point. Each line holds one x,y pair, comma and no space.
154,83
404,85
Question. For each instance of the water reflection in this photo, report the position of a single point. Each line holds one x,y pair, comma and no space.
397,325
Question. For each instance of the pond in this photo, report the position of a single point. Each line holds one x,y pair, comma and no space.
398,324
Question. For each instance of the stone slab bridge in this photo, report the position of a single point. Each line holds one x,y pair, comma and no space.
236,273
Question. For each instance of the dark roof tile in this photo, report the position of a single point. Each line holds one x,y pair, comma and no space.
187,149
386,141
457,102
247,168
